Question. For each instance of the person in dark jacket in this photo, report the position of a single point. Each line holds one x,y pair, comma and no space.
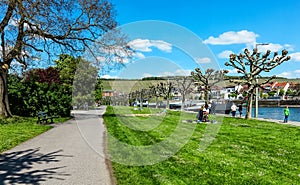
200,114
241,110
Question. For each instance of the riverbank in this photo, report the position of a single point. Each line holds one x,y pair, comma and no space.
294,123
273,103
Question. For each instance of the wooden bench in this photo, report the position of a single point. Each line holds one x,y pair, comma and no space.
43,117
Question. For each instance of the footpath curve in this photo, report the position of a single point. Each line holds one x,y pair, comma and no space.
71,153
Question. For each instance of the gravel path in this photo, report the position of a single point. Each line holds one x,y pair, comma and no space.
71,153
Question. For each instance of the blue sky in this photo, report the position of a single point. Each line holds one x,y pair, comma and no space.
222,27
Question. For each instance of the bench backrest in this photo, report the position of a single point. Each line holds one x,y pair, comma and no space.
42,114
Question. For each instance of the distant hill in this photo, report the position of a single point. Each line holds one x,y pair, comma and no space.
129,85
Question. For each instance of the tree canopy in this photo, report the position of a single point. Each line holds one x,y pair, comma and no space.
33,30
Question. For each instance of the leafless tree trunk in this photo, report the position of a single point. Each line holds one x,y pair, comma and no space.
184,87
249,107
165,90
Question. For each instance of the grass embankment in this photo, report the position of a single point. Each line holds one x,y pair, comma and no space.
243,152
16,130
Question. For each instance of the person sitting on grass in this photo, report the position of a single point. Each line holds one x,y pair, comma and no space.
205,113
200,114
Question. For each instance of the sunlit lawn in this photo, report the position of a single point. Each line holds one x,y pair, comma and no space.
16,130
243,151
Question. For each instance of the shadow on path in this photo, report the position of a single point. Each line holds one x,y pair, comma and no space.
18,167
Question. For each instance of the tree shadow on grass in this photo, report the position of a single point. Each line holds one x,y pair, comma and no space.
18,167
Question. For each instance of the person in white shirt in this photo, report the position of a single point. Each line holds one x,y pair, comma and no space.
233,109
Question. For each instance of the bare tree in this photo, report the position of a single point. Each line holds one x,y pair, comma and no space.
209,79
184,86
165,90
250,65
29,29
154,91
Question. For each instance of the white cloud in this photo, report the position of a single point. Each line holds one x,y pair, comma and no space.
139,55
147,75
225,54
289,47
290,74
204,60
167,73
183,72
231,37
178,72
144,45
297,71
232,71
272,47
286,74
295,56
161,45
109,77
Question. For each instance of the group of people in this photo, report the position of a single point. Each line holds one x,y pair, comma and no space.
234,108
205,110
203,113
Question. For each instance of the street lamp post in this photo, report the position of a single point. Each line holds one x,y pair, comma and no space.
256,89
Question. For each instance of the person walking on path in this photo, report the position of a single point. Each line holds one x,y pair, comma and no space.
233,110
241,110
286,112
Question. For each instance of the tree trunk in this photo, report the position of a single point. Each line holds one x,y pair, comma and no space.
168,103
4,104
182,102
249,107
206,96
156,102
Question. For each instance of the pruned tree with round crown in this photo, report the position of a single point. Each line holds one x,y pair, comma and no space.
250,65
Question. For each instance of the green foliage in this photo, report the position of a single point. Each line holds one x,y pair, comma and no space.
52,89
67,65
290,92
28,97
153,78
271,93
281,92
265,96
84,84
233,95
98,91
244,152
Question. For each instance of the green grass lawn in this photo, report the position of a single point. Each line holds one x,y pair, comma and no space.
243,151
16,130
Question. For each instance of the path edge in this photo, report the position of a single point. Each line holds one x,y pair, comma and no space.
108,162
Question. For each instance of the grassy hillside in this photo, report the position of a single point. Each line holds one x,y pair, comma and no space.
132,85
128,85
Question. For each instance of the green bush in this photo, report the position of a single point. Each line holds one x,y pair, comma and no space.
28,97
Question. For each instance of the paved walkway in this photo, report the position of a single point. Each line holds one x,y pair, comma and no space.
293,123
70,153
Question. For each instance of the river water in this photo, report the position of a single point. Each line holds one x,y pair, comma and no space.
276,113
